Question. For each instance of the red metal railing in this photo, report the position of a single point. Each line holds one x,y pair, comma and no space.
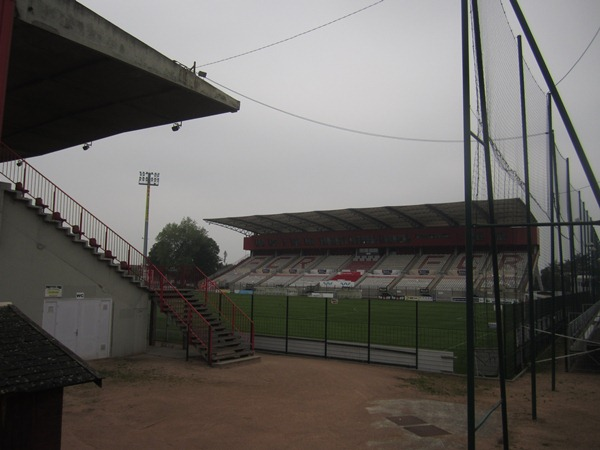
199,330
228,311
87,227
43,192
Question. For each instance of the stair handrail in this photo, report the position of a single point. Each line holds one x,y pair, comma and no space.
65,210
229,312
196,324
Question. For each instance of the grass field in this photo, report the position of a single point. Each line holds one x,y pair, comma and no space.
429,325
390,322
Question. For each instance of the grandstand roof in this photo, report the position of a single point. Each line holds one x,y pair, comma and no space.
74,77
510,211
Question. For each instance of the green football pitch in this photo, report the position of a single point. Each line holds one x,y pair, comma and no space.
386,322
426,325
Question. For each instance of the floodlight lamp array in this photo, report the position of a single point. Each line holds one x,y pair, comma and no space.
149,178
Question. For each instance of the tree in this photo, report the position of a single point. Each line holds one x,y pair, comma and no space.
184,245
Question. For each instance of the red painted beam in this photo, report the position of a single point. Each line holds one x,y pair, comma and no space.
7,15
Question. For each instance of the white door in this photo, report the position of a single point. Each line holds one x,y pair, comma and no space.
66,326
83,326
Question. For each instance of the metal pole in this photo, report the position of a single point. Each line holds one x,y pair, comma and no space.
369,331
287,321
492,219
560,243
553,192
147,215
529,240
588,260
470,334
148,179
326,320
573,281
417,335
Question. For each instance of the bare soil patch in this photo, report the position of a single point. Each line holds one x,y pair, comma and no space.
160,401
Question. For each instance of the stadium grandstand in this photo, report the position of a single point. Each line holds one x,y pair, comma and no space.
405,252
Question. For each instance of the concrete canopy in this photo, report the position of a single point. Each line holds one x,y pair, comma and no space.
74,77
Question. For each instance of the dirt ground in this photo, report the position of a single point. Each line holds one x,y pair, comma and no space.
160,401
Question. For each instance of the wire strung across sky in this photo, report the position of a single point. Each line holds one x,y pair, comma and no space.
292,37
351,130
337,127
581,56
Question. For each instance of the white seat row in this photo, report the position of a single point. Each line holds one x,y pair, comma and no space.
376,281
395,262
430,264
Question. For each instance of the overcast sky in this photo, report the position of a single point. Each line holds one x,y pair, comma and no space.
393,69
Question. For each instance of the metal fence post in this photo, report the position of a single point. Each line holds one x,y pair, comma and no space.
287,321
369,332
417,334
326,321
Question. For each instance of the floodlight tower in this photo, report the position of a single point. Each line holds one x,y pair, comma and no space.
148,179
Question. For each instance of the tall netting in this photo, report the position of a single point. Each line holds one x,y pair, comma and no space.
502,91
545,288
501,81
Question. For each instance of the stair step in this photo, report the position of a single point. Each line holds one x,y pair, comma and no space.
226,345
230,353
236,361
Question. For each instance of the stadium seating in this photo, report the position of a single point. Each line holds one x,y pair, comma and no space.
242,269
304,262
280,280
331,264
430,264
385,273
348,276
361,263
452,282
279,262
512,270
395,262
414,282
308,280
376,281
441,275
252,279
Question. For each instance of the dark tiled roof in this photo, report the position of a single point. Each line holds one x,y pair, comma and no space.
32,360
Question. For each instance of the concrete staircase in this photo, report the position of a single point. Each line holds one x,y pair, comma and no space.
228,347
73,233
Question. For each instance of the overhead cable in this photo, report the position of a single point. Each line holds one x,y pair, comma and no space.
337,127
292,37
353,130
579,59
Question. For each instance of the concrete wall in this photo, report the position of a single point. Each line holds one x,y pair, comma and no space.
35,254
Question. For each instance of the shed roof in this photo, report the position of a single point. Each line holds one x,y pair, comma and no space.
32,360
509,211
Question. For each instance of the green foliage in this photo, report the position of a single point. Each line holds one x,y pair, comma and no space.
183,245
